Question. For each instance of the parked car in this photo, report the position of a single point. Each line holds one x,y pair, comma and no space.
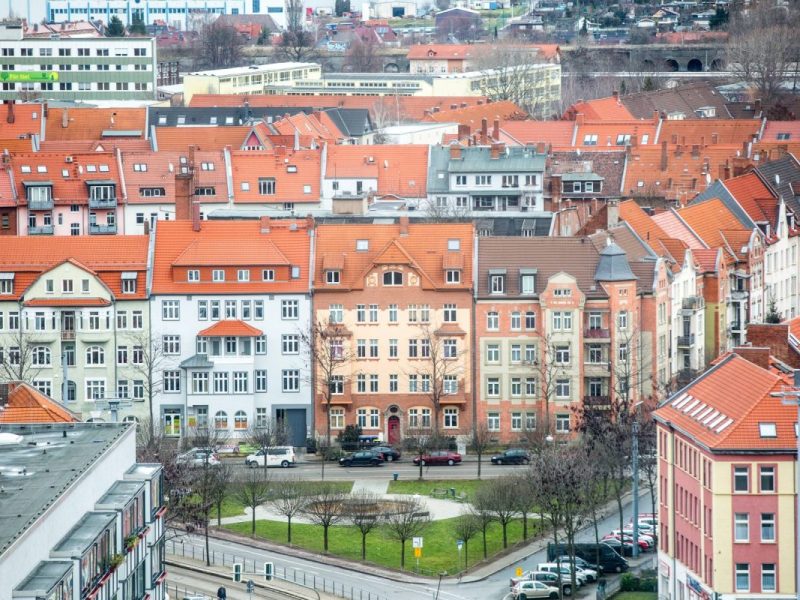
533,589
643,535
513,456
587,572
389,454
280,456
440,457
364,458
578,562
628,540
566,572
623,548
545,577
607,558
197,457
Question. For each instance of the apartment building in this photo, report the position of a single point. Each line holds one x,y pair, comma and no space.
231,307
560,322
688,320
485,178
95,68
87,521
74,319
397,299
442,58
67,193
726,503
254,79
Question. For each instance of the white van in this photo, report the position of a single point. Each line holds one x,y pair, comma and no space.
279,456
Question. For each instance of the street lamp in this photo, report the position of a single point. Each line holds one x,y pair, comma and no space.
792,398
635,458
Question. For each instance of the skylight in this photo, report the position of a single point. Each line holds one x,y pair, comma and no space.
767,430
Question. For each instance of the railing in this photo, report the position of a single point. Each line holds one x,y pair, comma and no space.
596,333
41,230
685,340
287,574
102,229
67,335
40,204
597,401
102,202
692,303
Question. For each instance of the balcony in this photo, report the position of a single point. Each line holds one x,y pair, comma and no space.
41,230
102,202
692,304
597,402
597,333
96,229
40,204
685,341
67,335
599,369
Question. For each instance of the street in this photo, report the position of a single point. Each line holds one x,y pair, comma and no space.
493,587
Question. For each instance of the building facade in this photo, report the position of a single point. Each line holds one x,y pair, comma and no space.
98,68
231,307
397,300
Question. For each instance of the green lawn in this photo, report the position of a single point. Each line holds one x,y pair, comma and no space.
231,507
423,488
636,596
439,552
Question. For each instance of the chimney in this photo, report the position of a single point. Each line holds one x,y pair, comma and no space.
756,355
757,107
10,116
579,118
496,130
634,140
745,148
484,131
455,151
183,195
463,131
656,117
615,95
65,118
612,214
265,223
403,222
495,151
725,171
195,215
714,139
541,148
555,192
664,157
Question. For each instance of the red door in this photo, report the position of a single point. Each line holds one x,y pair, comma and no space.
394,430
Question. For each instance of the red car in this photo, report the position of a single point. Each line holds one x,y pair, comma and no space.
442,457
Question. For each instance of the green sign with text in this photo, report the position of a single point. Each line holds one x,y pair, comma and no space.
27,76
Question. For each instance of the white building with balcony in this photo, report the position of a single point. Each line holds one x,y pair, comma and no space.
688,319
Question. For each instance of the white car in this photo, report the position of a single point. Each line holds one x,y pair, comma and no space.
197,457
566,572
279,456
533,589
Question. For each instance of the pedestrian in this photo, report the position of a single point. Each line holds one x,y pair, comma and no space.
221,593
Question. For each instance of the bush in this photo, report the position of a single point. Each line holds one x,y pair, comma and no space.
635,583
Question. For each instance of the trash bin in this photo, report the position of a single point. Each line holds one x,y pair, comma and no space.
453,492
395,476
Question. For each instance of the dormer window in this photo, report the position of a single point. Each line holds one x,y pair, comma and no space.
207,166
453,276
393,278
218,275
295,272
333,277
782,137
454,245
41,169
139,167
527,282
25,169
129,282
6,283
243,275
193,276
268,275
623,139
590,139
497,281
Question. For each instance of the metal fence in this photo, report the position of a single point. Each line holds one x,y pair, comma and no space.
251,567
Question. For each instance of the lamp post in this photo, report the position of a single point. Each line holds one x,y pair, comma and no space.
635,467
792,398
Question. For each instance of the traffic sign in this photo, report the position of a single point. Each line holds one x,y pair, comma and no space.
417,552
250,586
416,542
460,544
519,571
27,76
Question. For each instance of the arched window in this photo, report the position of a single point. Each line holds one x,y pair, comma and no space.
95,355
392,278
221,420
41,356
240,420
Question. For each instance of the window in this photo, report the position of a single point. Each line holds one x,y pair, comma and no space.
240,420
483,179
530,387
741,479
373,313
290,309
393,313
493,421
493,353
392,278
767,479
230,309
362,245
767,430
337,418
218,275
95,355
393,352
450,349
622,353
221,420
562,388
516,321
450,384
290,380
221,383
170,310
562,423
394,383
767,527
516,353
562,355
530,320
333,277
268,275
590,139
742,577
243,275
261,380
562,320
336,313
741,527
266,186
172,344
122,319
450,418
95,389
622,319
497,284
137,320
199,383
768,577
493,386
172,382
41,356
492,321
241,382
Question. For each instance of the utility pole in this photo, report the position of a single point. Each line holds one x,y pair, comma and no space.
635,452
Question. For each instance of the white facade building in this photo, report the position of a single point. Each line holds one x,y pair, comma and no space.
688,318
780,265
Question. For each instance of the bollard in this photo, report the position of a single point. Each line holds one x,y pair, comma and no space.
395,476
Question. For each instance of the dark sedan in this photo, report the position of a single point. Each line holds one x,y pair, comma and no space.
389,454
438,458
366,458
512,457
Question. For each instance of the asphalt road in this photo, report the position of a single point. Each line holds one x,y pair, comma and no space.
494,587
185,583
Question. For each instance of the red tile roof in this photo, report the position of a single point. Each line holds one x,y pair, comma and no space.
688,132
309,128
674,227
297,175
774,129
608,132
722,409
749,191
89,123
601,109
26,404
279,246
401,170
504,110
423,249
28,257
707,259
555,133
231,328
26,120
442,52
67,302
178,139
717,226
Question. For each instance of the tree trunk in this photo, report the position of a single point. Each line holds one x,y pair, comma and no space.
484,542
524,525
363,546
208,545
325,537
219,513
420,466
253,523
480,455
402,554
289,530
547,416
466,555
505,535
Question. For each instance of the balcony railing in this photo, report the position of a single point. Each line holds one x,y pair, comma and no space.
41,230
102,202
40,204
96,229
693,303
601,402
596,333
685,341
67,335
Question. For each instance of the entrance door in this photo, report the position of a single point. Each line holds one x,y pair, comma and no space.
295,421
172,422
393,435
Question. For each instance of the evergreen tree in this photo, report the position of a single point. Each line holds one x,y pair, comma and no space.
137,25
115,27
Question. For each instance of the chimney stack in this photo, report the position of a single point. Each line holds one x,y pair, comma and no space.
195,215
10,118
65,118
664,157
495,151
612,214
183,195
265,224
714,139
463,131
634,140
579,118
455,151
403,221
484,131
555,192
496,130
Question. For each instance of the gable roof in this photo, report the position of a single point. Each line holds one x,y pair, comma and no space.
780,175
717,226
26,404
18,119
70,123
682,99
555,133
442,52
601,109
750,192
297,175
401,170
709,132
212,138
231,328
473,115
671,223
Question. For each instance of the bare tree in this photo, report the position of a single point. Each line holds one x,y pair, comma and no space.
364,512
324,508
465,527
362,56
525,501
252,490
407,520
548,372
205,482
330,361
500,499
440,211
22,356
288,498
267,435
421,441
483,512
479,441
220,46
297,43
149,368
573,503
223,476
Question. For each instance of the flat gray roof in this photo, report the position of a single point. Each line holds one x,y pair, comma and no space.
83,535
34,473
119,495
43,578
